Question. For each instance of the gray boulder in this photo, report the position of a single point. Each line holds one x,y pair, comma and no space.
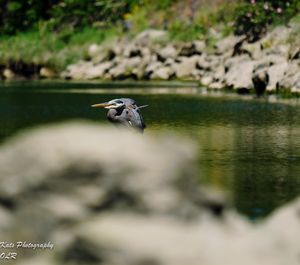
167,52
124,68
192,48
276,73
294,53
227,44
98,70
78,71
277,36
152,67
134,239
185,67
151,35
239,72
206,80
291,79
255,50
163,73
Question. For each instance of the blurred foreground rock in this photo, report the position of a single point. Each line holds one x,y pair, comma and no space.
106,196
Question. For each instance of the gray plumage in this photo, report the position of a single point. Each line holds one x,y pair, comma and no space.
125,112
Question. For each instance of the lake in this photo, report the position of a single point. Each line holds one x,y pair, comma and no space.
249,148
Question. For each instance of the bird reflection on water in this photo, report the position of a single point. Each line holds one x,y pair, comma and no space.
124,111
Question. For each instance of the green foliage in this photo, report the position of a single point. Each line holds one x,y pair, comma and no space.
79,13
186,32
254,16
20,15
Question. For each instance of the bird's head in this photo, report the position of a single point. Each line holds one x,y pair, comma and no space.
113,104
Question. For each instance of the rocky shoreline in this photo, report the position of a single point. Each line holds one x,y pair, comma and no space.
271,64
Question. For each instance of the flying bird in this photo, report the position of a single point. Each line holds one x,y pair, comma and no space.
124,111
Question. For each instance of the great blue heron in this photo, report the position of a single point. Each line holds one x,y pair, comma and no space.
124,111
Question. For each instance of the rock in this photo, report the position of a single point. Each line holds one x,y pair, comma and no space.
206,80
47,72
239,73
99,70
227,44
205,63
219,73
125,67
169,62
77,71
279,35
294,53
150,35
163,73
94,50
276,72
104,52
276,239
185,67
199,46
255,50
146,51
192,48
216,85
136,239
151,67
281,50
87,70
131,50
197,74
232,61
291,79
70,208
139,240
60,159
167,52
8,74
6,218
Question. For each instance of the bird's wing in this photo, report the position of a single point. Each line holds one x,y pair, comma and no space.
135,118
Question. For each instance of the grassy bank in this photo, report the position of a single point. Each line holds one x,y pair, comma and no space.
55,50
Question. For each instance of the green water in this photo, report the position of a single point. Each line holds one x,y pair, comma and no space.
249,148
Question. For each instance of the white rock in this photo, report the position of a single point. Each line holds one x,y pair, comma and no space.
239,74
227,44
47,72
8,74
186,67
168,52
162,73
94,50
150,35
276,72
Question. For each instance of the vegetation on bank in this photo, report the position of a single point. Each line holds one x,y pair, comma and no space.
58,32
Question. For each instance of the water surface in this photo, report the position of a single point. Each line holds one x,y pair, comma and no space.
249,148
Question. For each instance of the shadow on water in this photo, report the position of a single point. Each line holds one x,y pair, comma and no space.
248,148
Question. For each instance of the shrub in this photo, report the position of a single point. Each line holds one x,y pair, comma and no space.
254,16
20,15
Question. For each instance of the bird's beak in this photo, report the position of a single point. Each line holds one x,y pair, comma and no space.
101,105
